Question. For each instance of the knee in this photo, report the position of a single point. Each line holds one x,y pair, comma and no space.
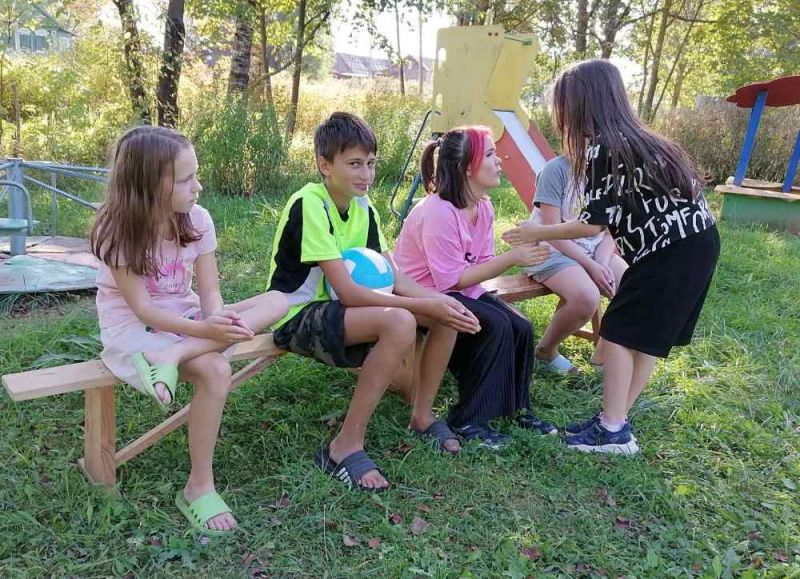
585,301
215,375
399,325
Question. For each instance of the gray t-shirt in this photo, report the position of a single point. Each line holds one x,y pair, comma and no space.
554,187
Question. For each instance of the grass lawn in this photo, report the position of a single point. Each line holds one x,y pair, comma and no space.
714,493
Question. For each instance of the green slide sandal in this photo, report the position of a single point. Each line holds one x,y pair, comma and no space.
150,375
204,508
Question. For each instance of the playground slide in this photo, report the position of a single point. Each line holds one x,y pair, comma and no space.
524,153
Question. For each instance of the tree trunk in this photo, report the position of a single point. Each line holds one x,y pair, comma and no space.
399,52
239,77
676,91
649,27
265,56
613,16
291,118
657,51
170,74
132,48
581,28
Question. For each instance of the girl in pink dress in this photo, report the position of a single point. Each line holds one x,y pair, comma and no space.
152,239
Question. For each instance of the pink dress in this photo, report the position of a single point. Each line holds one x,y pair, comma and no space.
438,242
121,332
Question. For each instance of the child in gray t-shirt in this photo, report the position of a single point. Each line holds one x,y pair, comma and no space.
578,271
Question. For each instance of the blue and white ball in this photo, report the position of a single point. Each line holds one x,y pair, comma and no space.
368,268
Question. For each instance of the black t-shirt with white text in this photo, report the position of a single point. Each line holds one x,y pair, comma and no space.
642,220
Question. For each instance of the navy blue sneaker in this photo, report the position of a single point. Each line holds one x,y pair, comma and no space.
574,428
577,427
598,439
530,421
488,436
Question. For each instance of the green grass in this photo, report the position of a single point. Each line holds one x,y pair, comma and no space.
714,493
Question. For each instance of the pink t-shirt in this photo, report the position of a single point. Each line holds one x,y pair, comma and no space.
172,290
437,243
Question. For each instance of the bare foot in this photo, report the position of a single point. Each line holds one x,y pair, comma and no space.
372,479
223,521
422,423
161,358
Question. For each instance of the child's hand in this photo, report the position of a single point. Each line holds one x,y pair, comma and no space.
603,278
452,313
525,232
234,316
530,254
221,327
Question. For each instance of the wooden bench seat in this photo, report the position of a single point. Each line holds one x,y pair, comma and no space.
101,457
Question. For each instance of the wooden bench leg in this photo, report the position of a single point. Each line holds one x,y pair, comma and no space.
100,436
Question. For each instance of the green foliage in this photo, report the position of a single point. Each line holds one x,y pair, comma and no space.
73,104
713,135
747,41
242,150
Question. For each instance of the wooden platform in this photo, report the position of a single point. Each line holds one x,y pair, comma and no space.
52,264
761,202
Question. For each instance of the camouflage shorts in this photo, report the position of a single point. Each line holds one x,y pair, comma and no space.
317,331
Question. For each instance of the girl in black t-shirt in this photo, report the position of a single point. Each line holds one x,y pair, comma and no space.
647,192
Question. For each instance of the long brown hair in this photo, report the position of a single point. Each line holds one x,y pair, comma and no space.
128,228
588,100
460,149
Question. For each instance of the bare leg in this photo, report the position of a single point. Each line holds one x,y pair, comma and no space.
211,375
643,365
257,313
432,366
394,331
581,298
618,266
617,381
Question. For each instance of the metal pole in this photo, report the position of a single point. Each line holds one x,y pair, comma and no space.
750,138
53,206
791,170
17,206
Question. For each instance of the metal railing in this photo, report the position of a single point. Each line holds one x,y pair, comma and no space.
18,173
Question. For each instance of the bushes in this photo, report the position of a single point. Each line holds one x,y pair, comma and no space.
713,135
241,151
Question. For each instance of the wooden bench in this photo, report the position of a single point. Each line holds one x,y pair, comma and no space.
101,457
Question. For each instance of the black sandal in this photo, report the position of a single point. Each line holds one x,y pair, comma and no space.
350,469
437,434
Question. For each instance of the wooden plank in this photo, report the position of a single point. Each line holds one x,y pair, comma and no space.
94,374
764,193
759,184
100,436
58,380
516,287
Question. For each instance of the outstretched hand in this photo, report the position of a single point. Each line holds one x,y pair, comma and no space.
524,232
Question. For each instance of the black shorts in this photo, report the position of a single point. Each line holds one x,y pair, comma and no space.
317,331
659,298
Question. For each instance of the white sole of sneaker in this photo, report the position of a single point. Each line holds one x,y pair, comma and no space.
628,448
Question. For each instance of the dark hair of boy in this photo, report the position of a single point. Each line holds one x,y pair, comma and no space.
459,149
589,100
342,131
